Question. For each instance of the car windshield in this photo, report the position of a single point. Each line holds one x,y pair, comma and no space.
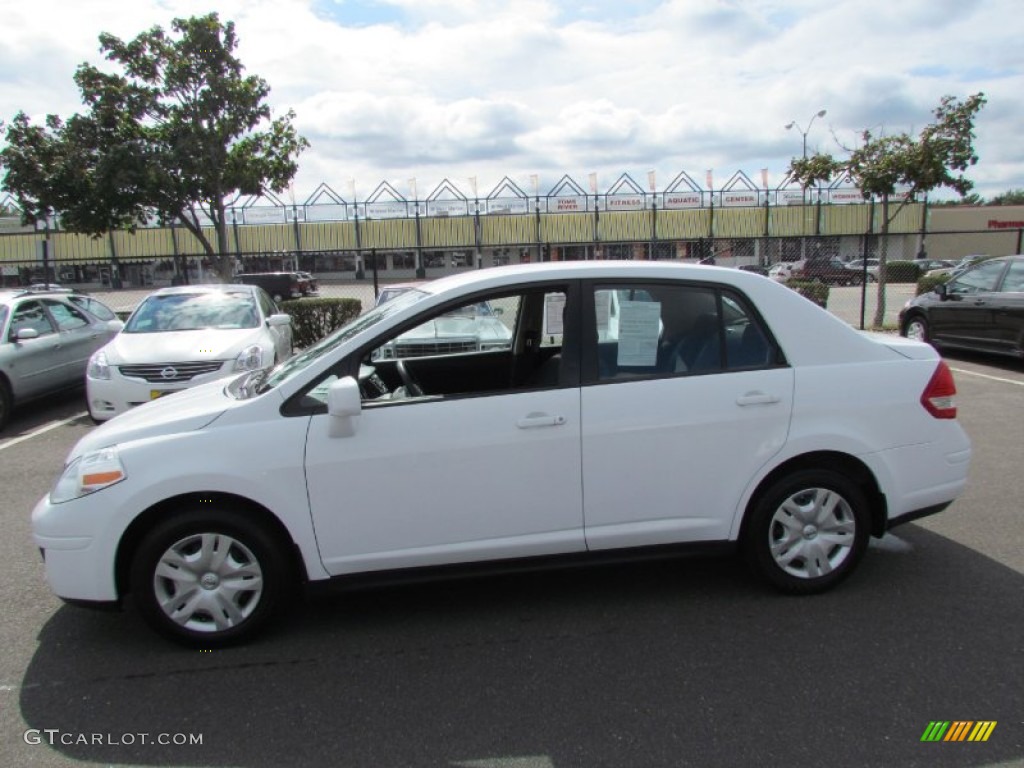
224,310
261,381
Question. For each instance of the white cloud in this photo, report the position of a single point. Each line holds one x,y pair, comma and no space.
452,88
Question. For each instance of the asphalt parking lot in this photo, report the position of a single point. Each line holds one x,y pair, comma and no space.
676,663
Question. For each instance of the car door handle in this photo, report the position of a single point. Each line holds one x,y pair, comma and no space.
757,398
531,420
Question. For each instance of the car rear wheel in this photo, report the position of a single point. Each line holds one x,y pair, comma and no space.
807,531
6,403
916,329
209,577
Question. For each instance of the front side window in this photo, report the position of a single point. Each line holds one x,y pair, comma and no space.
30,315
981,279
669,330
498,344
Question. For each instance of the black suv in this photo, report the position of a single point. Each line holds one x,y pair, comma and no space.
280,285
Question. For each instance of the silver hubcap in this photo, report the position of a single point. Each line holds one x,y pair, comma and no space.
812,533
915,330
208,582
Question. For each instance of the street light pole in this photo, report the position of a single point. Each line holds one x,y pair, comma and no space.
793,124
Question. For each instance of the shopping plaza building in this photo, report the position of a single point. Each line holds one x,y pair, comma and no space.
390,236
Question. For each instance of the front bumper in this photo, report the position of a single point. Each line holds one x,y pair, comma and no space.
79,560
107,398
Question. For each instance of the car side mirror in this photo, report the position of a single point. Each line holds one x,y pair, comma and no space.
24,334
344,403
940,289
278,320
115,326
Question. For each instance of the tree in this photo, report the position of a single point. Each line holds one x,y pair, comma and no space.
902,167
180,134
1010,197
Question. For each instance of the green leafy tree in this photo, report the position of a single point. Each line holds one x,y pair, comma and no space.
179,134
902,168
1010,197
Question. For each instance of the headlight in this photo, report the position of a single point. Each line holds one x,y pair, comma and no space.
249,359
87,474
99,368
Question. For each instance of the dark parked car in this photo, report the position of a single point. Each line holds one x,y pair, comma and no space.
826,269
982,309
280,285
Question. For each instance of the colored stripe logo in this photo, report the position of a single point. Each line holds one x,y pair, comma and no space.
958,730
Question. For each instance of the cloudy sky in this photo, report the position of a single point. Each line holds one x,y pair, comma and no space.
390,90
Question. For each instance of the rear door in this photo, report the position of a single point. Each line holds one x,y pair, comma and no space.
967,316
1008,309
679,412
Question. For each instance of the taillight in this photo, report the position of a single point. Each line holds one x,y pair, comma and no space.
938,396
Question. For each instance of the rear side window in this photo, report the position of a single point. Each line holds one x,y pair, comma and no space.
674,330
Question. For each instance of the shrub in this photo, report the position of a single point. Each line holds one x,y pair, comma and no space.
815,291
902,272
312,319
926,283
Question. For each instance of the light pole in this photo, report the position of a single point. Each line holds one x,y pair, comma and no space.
793,124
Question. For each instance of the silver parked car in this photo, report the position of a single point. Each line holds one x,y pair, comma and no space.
46,340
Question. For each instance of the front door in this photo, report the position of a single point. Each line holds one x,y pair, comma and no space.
460,454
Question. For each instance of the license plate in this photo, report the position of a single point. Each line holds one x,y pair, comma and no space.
155,393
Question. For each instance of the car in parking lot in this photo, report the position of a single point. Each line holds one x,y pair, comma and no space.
782,271
858,266
281,286
826,269
956,268
184,336
470,328
726,412
46,339
982,309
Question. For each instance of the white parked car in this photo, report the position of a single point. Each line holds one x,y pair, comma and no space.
708,419
783,270
184,336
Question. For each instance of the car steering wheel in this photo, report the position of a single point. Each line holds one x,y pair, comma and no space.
411,387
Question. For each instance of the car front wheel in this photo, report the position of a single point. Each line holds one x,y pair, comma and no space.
916,329
209,577
807,531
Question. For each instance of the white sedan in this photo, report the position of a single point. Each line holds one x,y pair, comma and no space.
708,420
184,336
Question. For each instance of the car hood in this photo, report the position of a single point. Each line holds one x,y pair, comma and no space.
460,327
185,411
179,346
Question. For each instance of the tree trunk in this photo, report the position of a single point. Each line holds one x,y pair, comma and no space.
883,253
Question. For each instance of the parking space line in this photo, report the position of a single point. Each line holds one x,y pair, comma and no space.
987,376
41,430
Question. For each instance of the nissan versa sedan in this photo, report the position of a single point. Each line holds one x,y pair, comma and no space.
46,339
184,336
982,309
708,420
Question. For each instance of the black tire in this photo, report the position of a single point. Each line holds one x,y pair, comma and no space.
6,403
240,547
807,531
916,327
